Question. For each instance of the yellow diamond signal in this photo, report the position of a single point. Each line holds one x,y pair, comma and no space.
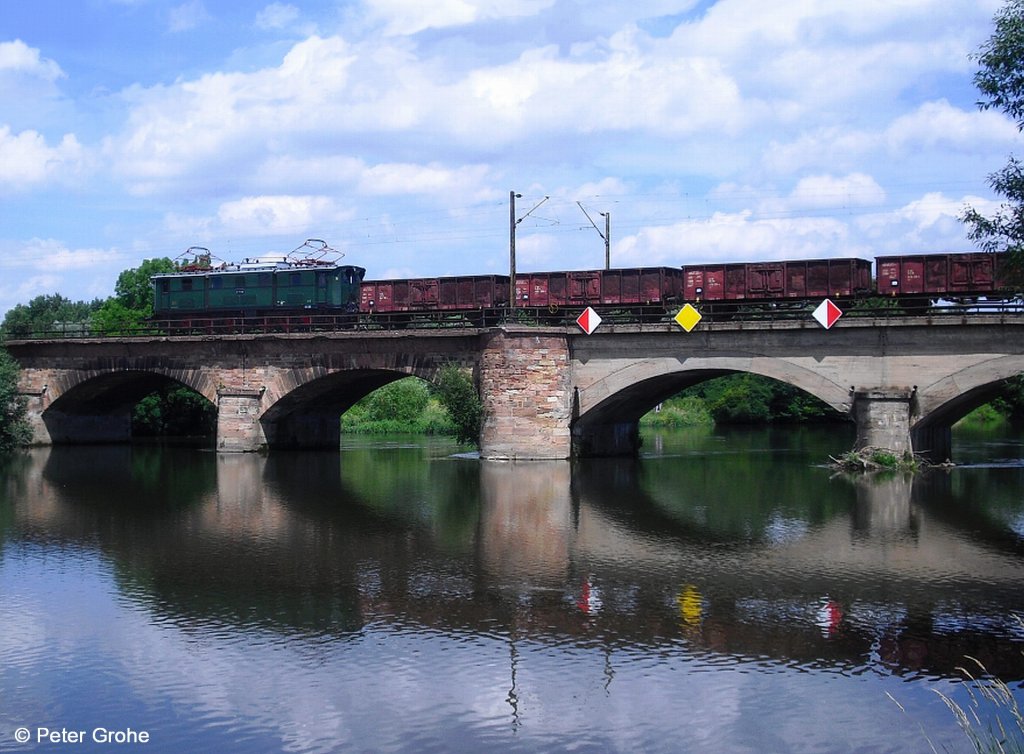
688,317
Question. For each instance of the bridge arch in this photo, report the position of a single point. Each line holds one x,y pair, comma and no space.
606,413
96,405
937,407
304,406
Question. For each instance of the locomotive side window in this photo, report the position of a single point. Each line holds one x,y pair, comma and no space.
216,283
186,284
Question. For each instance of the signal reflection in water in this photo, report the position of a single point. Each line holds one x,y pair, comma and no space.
396,597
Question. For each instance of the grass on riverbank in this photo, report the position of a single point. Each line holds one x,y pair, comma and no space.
403,407
678,412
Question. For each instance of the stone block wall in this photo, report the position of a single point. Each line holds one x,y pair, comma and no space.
526,385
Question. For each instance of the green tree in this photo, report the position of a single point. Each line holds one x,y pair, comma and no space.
114,318
1000,79
401,401
175,411
455,390
14,429
45,314
134,289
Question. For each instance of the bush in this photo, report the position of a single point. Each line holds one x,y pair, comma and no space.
457,393
14,428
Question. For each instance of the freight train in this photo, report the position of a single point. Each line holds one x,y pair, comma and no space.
310,287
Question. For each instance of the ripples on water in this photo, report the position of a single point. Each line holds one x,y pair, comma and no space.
721,594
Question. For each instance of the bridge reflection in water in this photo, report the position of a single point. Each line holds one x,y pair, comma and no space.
896,575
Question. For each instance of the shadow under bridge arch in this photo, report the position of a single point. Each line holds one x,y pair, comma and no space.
606,413
309,415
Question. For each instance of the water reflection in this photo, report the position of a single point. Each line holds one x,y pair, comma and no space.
895,574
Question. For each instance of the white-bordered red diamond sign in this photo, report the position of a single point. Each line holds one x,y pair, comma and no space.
589,320
827,314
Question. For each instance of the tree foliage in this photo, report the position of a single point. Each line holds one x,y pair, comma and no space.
114,318
14,428
174,411
752,399
458,395
1000,79
133,288
46,314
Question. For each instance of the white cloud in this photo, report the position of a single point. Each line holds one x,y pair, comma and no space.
255,215
940,125
187,16
396,178
826,192
276,16
223,118
48,254
406,17
18,57
735,237
26,160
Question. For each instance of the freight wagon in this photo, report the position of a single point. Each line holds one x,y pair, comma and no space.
919,280
777,282
480,298
552,297
644,291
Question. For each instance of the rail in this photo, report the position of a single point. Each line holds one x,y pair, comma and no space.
659,316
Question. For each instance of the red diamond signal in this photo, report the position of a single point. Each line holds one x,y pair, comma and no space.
827,313
588,320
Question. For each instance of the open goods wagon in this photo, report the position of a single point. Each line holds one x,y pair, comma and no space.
485,296
778,282
646,292
925,278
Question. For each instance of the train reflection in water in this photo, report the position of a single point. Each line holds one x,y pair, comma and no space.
895,576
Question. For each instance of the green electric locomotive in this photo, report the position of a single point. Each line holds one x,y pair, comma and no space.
302,282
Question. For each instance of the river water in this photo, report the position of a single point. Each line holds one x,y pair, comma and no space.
724,593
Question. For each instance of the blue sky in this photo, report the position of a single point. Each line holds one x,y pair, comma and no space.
395,130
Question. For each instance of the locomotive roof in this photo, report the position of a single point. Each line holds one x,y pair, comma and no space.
270,264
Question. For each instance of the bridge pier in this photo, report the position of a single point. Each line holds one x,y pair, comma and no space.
883,420
525,382
238,425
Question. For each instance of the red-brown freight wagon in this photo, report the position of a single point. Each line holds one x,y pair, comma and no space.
485,294
777,281
929,277
639,286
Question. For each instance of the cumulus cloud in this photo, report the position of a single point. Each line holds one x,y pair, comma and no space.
826,192
27,161
273,215
18,57
735,237
940,125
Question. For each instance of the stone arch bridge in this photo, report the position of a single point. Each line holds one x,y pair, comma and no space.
548,393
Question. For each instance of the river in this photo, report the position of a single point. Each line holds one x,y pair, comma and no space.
724,593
